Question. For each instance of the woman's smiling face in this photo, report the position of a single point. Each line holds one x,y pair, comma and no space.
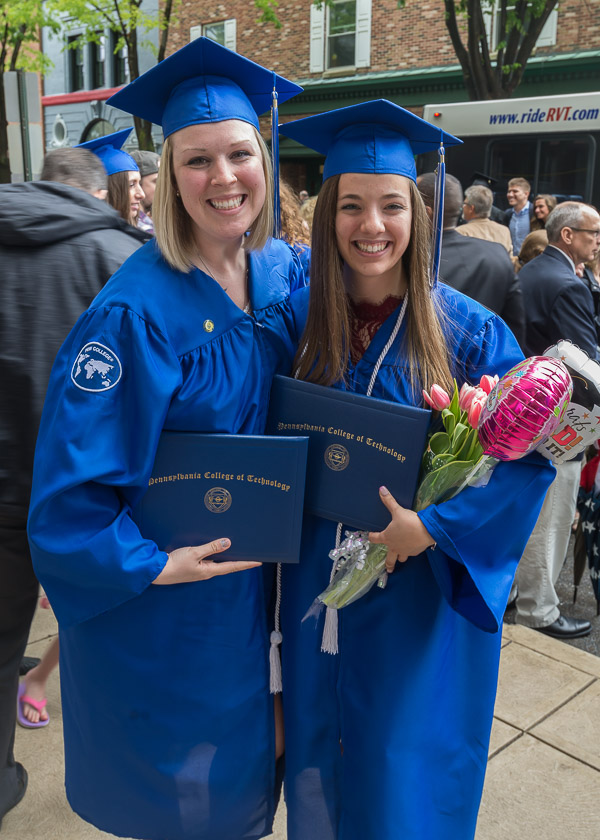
373,227
219,172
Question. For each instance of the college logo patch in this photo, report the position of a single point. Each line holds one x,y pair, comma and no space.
96,368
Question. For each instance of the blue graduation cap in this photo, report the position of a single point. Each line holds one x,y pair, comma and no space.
108,149
202,82
373,137
205,82
376,138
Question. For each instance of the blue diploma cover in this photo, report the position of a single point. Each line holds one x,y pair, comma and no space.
356,444
249,488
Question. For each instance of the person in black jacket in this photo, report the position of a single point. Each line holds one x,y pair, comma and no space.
559,305
59,244
480,269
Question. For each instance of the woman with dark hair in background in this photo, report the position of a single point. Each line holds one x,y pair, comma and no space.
125,194
543,205
124,191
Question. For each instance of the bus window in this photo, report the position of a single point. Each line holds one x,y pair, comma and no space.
511,157
562,166
566,167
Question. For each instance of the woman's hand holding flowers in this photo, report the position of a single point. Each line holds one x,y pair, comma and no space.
405,536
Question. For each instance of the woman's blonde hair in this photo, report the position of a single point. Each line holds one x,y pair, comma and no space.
173,227
323,353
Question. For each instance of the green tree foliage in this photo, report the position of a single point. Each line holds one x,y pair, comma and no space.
494,71
20,22
130,22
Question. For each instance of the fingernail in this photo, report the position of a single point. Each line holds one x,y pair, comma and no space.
384,491
224,543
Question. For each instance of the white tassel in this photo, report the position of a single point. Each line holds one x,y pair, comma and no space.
275,680
329,642
275,684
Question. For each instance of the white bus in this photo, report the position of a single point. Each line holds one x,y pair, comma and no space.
550,140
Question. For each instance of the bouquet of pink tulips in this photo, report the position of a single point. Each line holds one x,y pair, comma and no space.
451,456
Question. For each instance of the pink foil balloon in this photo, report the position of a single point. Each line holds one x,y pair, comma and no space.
526,405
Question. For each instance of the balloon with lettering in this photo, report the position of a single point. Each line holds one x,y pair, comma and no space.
527,404
581,424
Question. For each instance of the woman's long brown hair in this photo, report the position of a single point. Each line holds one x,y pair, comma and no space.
323,352
118,195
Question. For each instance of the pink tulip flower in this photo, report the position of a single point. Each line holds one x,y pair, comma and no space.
465,396
488,382
475,410
437,399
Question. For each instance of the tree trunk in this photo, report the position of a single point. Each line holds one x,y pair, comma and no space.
143,128
164,35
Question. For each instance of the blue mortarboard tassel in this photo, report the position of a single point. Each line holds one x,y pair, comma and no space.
438,216
275,158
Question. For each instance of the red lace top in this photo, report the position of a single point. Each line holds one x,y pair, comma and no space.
365,320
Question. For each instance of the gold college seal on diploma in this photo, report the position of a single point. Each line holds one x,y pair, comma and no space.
217,499
337,457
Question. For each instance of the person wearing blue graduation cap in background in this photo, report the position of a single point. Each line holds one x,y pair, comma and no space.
125,193
388,704
168,721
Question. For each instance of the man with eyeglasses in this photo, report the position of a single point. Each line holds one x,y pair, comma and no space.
558,305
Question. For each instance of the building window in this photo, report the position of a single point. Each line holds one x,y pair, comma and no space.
120,71
75,63
546,38
97,58
221,31
60,135
97,128
340,35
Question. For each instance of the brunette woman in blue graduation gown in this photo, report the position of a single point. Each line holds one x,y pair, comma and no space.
168,721
387,739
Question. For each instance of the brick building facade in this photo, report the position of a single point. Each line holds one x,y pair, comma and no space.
367,49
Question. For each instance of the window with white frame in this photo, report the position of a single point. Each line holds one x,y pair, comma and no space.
221,31
340,35
546,38
76,66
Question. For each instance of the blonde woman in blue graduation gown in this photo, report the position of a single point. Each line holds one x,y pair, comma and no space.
387,739
168,721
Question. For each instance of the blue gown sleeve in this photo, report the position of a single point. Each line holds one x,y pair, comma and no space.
482,532
95,451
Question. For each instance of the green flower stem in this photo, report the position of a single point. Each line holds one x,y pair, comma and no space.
350,582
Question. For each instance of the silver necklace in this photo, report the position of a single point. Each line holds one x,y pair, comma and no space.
247,308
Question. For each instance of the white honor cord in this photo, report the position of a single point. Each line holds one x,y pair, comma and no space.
329,641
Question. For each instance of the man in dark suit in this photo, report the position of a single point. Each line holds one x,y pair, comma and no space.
559,306
478,268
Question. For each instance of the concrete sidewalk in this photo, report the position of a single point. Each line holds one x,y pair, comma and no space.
543,778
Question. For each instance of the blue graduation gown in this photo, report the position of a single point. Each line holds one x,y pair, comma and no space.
168,720
410,695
